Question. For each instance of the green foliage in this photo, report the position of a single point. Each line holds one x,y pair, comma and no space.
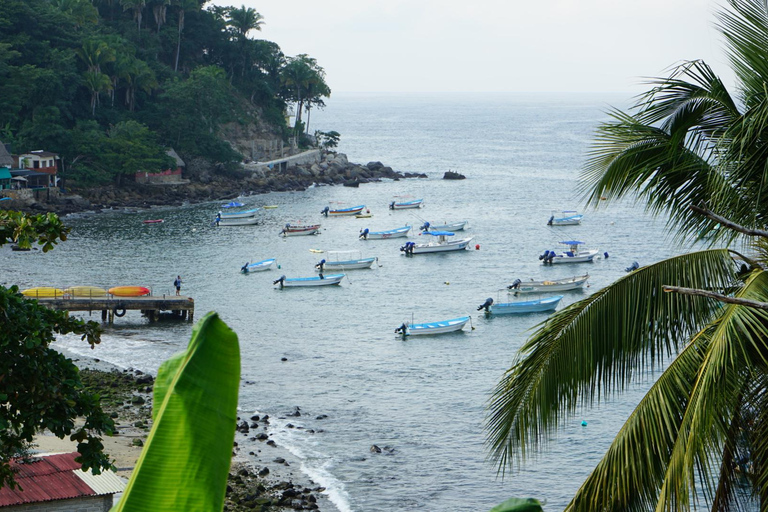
700,434
518,505
39,387
328,140
131,147
189,448
303,82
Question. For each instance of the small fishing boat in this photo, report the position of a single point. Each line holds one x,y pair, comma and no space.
270,207
344,260
442,244
224,221
363,215
85,291
239,215
153,221
520,307
43,292
128,291
340,212
402,232
449,226
300,229
549,285
441,327
565,218
232,204
259,266
573,255
321,280
405,205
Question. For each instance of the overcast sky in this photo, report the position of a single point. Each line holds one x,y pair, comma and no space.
494,45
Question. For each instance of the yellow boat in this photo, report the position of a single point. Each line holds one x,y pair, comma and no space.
129,291
85,291
43,292
270,207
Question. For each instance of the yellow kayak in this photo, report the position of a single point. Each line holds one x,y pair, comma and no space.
85,291
270,207
43,292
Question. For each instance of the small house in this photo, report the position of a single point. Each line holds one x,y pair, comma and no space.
42,162
168,176
56,483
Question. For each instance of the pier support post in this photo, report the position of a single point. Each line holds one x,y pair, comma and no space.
103,315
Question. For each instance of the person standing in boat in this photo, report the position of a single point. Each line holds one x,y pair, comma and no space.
177,284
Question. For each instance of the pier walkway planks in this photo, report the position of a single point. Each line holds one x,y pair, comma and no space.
110,306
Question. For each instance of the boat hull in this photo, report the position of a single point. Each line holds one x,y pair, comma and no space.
43,292
301,230
259,266
240,215
523,307
554,285
441,327
406,205
581,257
349,264
303,282
453,245
345,211
452,227
226,221
85,291
128,291
392,233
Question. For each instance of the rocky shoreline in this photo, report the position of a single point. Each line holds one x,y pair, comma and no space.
261,480
206,184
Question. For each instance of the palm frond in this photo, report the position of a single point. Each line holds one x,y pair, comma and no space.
596,345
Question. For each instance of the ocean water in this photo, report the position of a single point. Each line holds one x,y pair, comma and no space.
356,383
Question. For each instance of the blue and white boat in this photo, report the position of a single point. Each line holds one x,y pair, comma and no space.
344,260
548,285
448,226
232,204
259,266
244,214
520,307
565,218
379,235
574,254
442,244
428,328
321,280
221,220
340,212
404,205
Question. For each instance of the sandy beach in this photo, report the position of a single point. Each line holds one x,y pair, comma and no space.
273,464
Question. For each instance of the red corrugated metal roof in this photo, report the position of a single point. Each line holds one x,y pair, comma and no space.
45,479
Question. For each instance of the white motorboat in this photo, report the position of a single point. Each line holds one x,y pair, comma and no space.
321,280
574,254
442,244
448,226
441,327
239,215
548,285
565,218
402,232
405,205
344,260
520,307
245,221
259,266
300,229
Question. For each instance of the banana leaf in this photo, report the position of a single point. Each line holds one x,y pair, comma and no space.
185,461
518,505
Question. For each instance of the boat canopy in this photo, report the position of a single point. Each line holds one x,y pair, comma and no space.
572,242
232,204
438,233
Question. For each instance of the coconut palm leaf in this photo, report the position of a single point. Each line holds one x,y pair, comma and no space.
186,459
595,346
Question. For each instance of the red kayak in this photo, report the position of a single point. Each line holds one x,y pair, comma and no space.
154,221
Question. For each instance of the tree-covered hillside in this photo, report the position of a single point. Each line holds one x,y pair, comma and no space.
110,84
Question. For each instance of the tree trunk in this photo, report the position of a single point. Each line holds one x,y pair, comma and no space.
178,43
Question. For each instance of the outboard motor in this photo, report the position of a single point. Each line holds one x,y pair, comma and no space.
403,329
635,265
408,248
549,258
325,211
364,234
425,227
244,268
605,255
515,285
392,205
281,281
320,266
218,218
549,222
544,256
486,305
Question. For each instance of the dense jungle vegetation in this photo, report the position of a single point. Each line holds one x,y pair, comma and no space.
111,84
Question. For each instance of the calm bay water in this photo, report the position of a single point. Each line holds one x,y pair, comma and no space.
426,397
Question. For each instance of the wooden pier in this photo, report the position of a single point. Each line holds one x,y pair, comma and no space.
111,307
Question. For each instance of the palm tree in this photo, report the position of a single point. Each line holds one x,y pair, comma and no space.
243,20
95,53
184,6
137,6
96,83
159,10
693,151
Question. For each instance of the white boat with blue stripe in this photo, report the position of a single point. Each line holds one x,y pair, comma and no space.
548,285
429,328
259,266
520,307
344,260
442,244
244,214
340,212
574,254
448,226
565,218
402,232
405,205
321,280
